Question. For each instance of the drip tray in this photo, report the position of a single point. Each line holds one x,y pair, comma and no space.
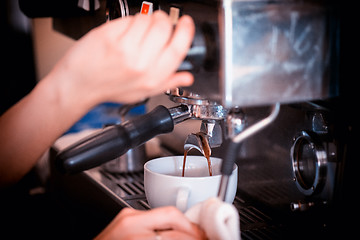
128,188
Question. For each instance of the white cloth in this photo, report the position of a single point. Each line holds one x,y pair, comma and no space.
218,219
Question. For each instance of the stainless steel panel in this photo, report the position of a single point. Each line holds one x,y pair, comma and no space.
274,52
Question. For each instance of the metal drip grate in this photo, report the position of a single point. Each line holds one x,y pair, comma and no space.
254,223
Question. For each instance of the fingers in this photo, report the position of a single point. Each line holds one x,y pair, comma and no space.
136,31
114,29
162,50
173,54
157,37
177,48
135,57
164,223
174,235
166,218
180,79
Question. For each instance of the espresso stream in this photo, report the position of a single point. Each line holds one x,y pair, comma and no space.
207,153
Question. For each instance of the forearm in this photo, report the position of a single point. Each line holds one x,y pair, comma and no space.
30,127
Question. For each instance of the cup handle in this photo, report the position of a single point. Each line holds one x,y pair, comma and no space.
182,198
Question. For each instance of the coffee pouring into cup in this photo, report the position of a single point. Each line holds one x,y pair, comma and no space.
164,184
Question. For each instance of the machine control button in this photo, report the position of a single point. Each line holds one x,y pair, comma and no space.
174,15
146,8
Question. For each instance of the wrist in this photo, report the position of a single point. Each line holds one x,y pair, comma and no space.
65,97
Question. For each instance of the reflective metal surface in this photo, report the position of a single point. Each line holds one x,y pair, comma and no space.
132,161
274,52
309,160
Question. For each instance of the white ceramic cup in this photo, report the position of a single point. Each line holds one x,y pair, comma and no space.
164,184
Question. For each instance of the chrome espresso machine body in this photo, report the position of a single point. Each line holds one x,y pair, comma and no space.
268,93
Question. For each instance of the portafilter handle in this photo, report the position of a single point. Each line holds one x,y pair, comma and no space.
116,140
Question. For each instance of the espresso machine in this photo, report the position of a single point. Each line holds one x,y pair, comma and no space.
268,95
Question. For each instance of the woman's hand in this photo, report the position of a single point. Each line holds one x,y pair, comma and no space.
127,60
159,223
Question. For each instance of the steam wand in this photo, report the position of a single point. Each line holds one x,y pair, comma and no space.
232,146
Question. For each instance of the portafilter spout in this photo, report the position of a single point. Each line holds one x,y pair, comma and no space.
198,141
